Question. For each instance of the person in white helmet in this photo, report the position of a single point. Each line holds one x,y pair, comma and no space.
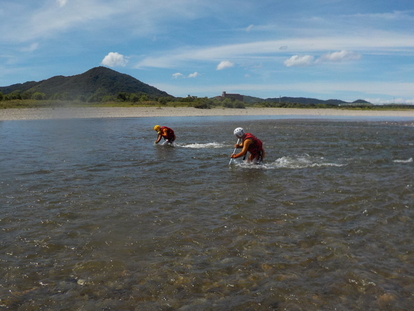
249,143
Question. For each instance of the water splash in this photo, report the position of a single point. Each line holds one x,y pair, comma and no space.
291,162
410,160
212,145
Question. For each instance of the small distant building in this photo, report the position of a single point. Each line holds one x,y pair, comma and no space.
239,97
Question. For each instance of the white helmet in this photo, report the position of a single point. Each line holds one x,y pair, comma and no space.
239,132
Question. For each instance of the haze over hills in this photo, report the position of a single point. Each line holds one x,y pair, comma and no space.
105,81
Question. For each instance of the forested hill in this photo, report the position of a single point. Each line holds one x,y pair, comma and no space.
100,80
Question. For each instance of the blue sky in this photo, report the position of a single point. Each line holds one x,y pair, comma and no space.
326,49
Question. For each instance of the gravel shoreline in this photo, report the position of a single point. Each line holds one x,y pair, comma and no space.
134,112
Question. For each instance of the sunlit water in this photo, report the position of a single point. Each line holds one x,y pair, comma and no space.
94,216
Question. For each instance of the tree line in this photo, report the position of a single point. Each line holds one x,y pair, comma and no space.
100,96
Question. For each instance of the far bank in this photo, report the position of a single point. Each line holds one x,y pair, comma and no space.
134,112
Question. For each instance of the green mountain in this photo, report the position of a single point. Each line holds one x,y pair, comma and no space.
100,80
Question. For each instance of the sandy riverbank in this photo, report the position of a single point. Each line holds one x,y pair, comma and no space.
121,112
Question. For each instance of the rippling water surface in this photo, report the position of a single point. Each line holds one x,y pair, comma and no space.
95,217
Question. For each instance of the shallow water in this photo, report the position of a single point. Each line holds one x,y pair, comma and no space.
96,217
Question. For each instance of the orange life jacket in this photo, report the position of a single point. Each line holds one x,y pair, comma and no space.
256,146
167,133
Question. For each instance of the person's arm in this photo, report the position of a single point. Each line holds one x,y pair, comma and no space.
245,147
158,138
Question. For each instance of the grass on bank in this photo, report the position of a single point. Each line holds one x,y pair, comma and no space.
31,103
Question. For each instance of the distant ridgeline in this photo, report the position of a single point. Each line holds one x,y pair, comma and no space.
93,85
314,101
294,101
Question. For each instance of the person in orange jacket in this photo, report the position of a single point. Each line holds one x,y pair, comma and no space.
166,133
249,143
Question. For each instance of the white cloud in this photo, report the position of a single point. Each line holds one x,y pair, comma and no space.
31,48
224,64
193,75
45,21
299,61
27,21
340,56
335,57
249,28
61,2
395,15
180,75
177,75
114,59
374,42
